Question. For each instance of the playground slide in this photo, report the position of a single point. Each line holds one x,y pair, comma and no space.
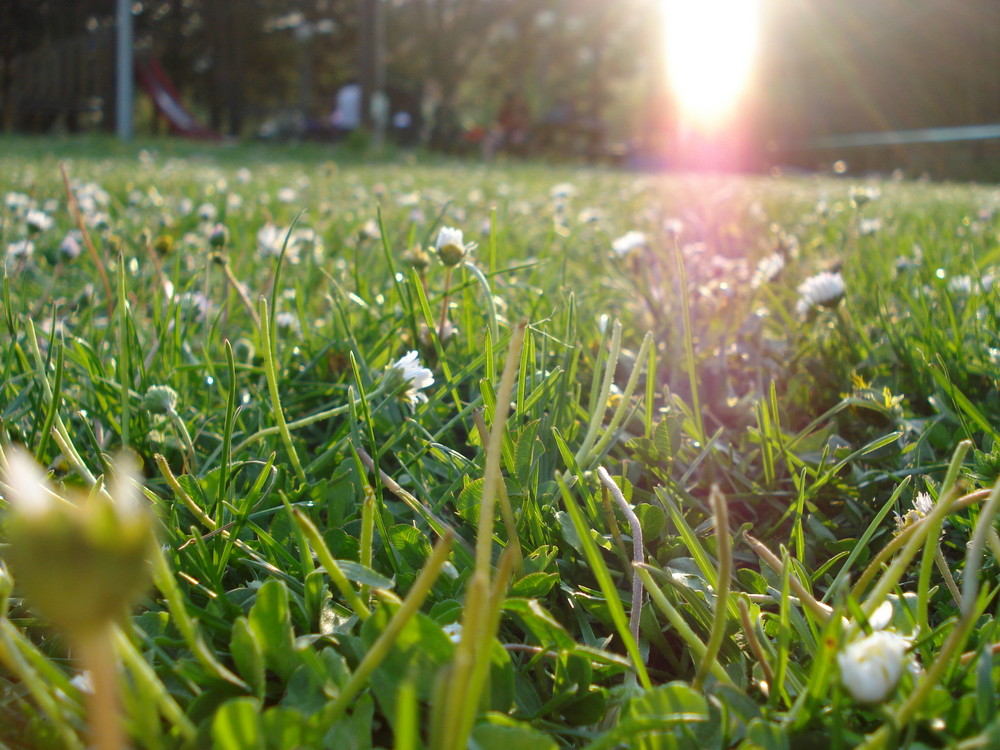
154,80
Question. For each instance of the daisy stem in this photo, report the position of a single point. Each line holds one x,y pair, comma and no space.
444,304
74,208
240,290
949,579
97,656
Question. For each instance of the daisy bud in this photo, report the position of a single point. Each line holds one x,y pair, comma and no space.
418,258
80,564
164,244
450,246
218,235
160,399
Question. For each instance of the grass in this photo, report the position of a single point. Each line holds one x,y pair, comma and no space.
647,501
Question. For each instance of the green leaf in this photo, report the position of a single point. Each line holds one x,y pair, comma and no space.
666,436
419,652
569,530
468,501
548,631
653,520
766,736
287,729
305,691
738,710
986,704
524,451
247,655
988,739
507,735
501,692
470,498
583,710
236,726
272,628
680,713
573,673
534,585
366,576
353,732
752,581
411,543
446,611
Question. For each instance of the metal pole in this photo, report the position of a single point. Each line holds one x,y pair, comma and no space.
368,57
371,64
124,89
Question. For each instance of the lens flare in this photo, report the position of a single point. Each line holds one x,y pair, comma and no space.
711,46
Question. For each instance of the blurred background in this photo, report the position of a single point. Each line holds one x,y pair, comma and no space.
850,86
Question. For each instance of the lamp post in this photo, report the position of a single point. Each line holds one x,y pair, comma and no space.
124,69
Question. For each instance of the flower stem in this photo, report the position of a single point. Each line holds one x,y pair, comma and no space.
97,656
444,304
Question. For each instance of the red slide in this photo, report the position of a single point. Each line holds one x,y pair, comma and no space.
154,80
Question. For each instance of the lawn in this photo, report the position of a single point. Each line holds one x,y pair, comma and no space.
406,452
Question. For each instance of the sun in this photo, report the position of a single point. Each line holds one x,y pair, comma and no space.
711,46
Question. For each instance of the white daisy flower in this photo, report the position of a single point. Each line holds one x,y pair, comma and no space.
453,631
20,249
869,226
287,195
825,289
17,202
286,320
923,504
417,377
882,616
673,226
270,238
768,269
628,242
38,221
562,191
960,284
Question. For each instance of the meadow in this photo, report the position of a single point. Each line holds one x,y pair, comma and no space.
306,450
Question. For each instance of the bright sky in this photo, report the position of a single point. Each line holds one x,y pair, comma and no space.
711,47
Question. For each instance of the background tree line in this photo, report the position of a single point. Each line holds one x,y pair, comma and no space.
236,60
827,66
